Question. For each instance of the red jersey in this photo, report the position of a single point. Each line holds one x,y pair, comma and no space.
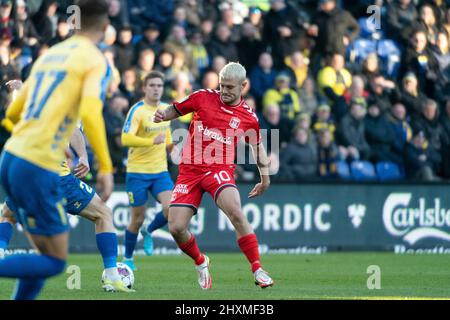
215,129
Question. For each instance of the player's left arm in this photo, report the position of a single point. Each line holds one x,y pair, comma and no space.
79,145
263,163
94,88
16,107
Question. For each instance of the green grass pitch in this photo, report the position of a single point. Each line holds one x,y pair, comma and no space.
327,276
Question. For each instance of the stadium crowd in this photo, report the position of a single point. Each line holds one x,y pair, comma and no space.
354,95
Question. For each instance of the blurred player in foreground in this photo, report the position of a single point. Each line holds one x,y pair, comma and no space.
66,84
147,164
82,200
220,120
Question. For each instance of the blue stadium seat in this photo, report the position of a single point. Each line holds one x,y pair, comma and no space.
363,171
360,49
343,170
368,29
390,57
388,171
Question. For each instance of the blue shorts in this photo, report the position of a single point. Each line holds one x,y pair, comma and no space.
78,194
36,195
138,185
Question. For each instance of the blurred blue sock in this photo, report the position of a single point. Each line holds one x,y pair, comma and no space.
130,243
158,222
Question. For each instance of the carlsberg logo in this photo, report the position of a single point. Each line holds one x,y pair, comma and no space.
414,224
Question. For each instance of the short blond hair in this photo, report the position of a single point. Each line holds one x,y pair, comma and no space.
233,71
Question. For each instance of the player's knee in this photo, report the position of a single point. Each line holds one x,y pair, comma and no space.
236,215
176,228
105,215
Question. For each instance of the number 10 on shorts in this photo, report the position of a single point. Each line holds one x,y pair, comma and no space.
222,176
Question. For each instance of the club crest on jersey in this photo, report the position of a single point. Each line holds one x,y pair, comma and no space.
234,123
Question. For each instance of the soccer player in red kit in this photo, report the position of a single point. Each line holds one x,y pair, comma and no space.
220,119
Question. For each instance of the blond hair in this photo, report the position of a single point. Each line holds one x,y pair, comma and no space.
233,71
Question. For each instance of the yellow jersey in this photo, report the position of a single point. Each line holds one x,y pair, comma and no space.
145,157
66,84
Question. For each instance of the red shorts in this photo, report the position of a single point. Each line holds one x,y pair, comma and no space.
192,182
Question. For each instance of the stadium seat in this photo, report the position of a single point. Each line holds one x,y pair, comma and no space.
360,49
363,171
368,30
390,57
388,171
343,170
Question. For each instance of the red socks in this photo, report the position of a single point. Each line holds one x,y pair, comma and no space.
192,250
249,246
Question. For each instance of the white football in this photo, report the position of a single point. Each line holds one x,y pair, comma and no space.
125,273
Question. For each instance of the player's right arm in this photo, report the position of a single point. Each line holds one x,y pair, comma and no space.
178,109
91,116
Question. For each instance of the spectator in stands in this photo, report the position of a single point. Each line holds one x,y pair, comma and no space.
400,16
143,12
370,67
109,39
165,62
262,77
129,86
210,81
446,23
150,40
421,160
180,19
271,120
232,18
45,20
196,50
7,23
383,92
323,120
419,60
62,32
333,29
27,69
445,122
282,31
24,27
8,69
351,132
297,68
114,115
431,126
283,96
308,96
125,50
333,80
118,15
357,90
427,22
249,46
193,12
255,16
145,63
176,42
411,96
380,136
402,129
207,28
328,154
179,65
299,159
222,45
441,53
218,63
